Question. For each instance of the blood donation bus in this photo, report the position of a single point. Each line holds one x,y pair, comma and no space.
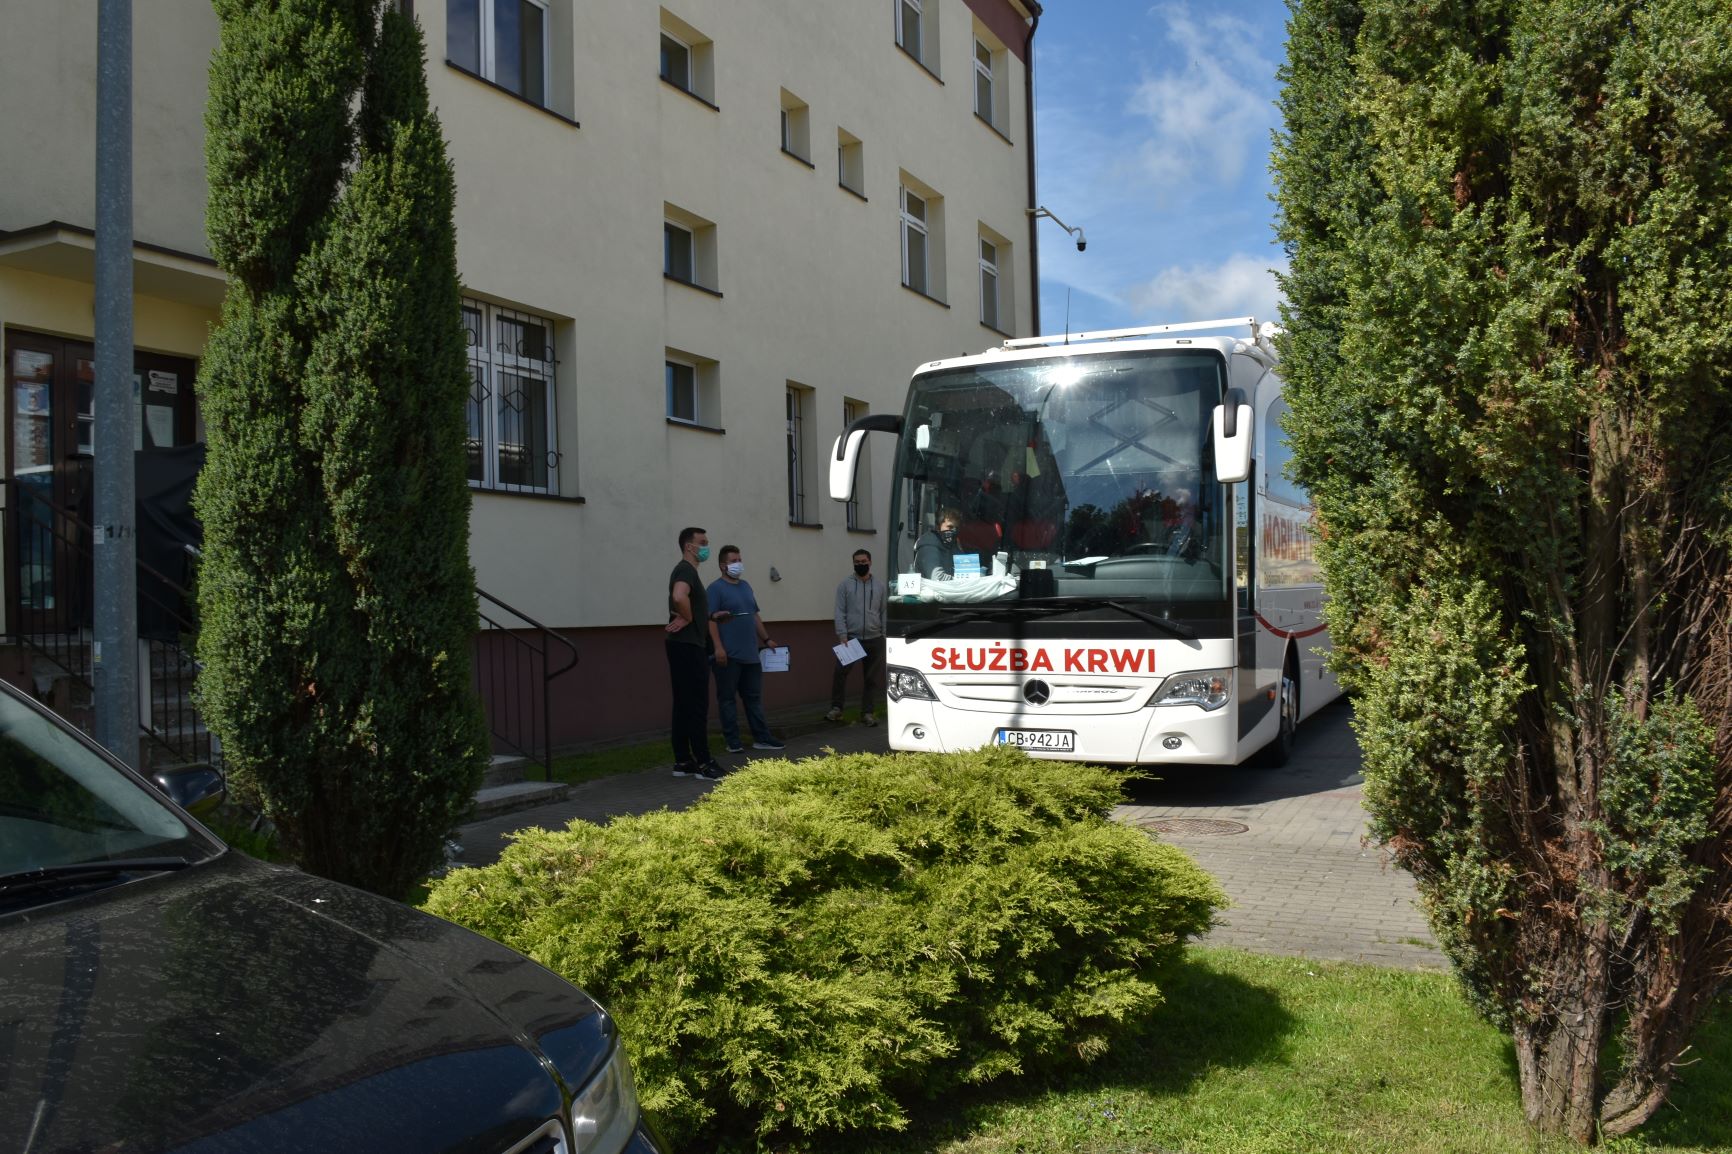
1095,552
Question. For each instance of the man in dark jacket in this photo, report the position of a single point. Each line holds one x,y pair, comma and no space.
687,645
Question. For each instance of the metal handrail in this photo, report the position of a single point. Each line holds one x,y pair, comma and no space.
499,679
515,686
66,647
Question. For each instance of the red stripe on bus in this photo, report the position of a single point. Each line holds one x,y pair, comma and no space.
1288,634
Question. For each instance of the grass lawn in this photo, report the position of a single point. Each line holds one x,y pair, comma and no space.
1254,1054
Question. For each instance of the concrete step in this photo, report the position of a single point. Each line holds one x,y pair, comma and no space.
494,800
504,769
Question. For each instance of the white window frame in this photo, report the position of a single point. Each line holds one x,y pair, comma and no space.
851,176
669,364
916,224
690,64
983,71
486,47
488,362
989,292
919,9
691,247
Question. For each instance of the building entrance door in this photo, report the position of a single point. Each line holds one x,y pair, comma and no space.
50,398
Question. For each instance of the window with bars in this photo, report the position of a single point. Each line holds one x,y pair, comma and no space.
801,509
513,417
505,41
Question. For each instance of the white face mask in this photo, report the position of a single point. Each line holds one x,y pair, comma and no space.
735,568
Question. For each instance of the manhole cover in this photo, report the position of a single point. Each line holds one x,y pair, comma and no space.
1198,826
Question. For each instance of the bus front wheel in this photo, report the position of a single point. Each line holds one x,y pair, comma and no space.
1280,751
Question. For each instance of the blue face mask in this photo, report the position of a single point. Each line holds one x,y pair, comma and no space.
703,552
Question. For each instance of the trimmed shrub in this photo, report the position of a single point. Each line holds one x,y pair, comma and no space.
816,944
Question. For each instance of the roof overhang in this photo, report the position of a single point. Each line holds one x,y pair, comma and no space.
68,251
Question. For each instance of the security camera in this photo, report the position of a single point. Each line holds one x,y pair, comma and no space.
1081,244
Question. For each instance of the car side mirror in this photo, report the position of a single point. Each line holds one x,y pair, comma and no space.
198,789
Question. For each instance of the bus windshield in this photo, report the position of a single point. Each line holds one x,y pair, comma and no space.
1089,476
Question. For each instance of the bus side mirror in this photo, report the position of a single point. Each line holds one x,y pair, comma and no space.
1232,424
842,461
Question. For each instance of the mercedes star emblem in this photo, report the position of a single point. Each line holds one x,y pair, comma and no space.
1036,692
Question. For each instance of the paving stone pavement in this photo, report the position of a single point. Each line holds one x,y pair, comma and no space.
1301,877
1301,880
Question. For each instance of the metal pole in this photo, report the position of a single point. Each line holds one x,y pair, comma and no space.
115,654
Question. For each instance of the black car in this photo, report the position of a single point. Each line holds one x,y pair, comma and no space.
161,992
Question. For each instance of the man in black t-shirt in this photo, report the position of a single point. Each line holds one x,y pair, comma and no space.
687,645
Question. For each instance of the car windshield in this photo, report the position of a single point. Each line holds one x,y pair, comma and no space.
62,805
1086,476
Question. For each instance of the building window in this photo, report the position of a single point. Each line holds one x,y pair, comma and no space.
988,283
687,58
910,15
983,105
801,509
677,252
512,413
682,392
505,41
859,509
796,127
689,248
914,237
676,63
692,386
850,162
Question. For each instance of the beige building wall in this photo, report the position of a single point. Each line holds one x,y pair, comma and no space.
560,214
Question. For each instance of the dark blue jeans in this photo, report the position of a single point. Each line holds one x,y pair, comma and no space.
747,682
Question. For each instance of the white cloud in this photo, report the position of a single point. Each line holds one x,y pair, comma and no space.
1209,110
1241,285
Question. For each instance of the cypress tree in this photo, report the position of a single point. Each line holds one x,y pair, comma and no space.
336,597
1509,226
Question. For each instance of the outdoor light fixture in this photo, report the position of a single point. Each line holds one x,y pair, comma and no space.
1081,241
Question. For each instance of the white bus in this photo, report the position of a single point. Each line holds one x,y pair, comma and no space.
1095,554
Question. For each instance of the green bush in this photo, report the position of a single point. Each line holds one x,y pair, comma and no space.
816,943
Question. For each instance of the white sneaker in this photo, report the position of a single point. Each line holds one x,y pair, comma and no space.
833,715
868,719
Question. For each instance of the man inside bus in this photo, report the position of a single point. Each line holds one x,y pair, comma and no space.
935,552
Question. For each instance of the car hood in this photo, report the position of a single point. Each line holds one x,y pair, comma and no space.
238,1006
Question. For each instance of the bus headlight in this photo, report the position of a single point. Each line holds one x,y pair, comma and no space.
902,683
604,1113
1206,688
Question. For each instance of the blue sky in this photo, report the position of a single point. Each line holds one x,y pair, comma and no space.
1153,126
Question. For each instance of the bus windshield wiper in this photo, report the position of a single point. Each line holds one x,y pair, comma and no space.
987,613
1049,607
84,873
1062,603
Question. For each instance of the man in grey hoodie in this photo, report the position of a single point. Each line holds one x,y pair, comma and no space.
860,614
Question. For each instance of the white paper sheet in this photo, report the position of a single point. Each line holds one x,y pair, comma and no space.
774,660
850,652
